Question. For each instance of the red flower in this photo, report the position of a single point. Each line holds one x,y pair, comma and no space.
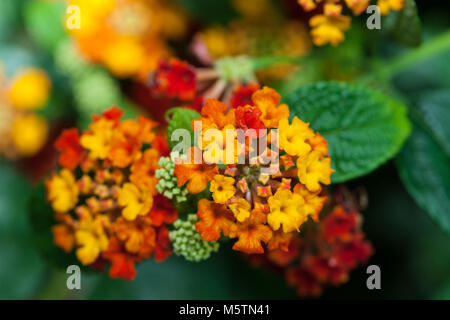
162,211
325,271
306,283
248,117
71,150
242,95
175,79
163,248
350,254
339,224
160,144
114,114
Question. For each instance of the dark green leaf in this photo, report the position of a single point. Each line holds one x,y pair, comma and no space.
363,128
217,11
407,28
433,110
425,167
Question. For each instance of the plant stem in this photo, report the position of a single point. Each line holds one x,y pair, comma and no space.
266,62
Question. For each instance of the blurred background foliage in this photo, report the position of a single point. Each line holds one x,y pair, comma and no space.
411,250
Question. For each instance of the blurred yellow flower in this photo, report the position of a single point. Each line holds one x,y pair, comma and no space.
329,29
128,36
388,5
30,89
29,134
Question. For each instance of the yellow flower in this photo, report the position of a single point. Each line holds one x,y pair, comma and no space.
313,201
62,191
293,137
91,239
29,134
99,139
124,57
241,209
328,29
388,5
313,169
30,90
222,188
136,202
286,210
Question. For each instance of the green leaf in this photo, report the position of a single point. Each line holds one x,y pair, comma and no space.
180,118
433,112
424,162
44,22
364,128
407,28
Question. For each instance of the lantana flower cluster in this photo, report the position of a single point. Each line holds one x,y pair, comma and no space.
128,37
261,203
104,198
24,132
329,25
324,254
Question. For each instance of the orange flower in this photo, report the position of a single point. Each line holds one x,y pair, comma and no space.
122,263
127,140
71,150
216,112
280,240
197,175
318,143
252,232
146,126
138,236
143,170
63,237
214,219
267,101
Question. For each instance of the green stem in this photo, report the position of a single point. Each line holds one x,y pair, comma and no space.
266,62
399,64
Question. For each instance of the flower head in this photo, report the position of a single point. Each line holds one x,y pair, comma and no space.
175,79
105,197
254,197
